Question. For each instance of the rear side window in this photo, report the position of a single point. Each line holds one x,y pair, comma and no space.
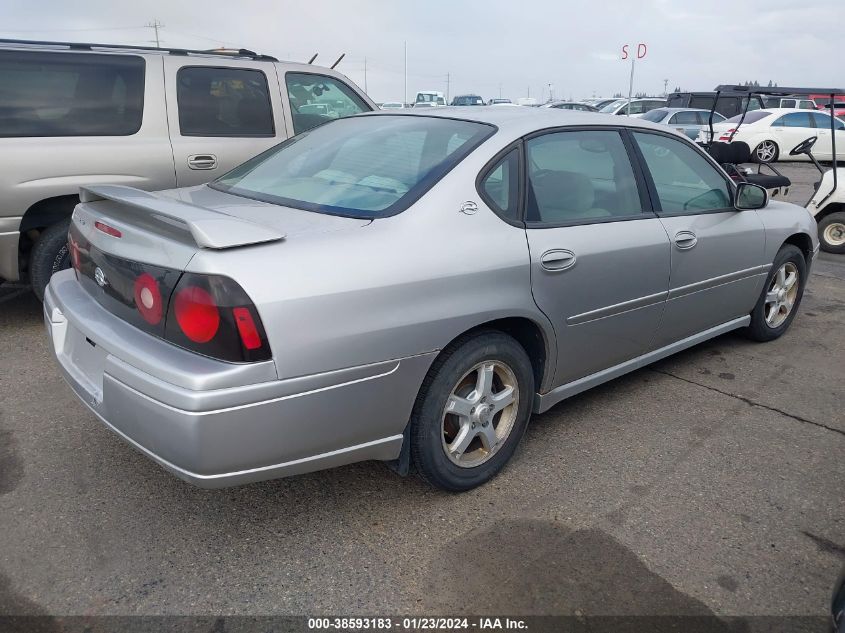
223,102
582,176
500,186
70,94
796,119
823,121
684,118
315,99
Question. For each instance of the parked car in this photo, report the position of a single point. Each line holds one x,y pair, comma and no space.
569,105
684,120
788,102
77,114
823,103
599,102
429,98
467,100
293,315
730,103
638,106
392,105
500,102
772,133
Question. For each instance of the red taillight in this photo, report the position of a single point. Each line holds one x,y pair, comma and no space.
726,135
148,299
108,230
197,314
246,328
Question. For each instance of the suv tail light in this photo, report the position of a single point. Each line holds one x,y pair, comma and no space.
213,316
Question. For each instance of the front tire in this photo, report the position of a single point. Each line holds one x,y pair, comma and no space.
781,296
832,233
49,255
767,152
472,410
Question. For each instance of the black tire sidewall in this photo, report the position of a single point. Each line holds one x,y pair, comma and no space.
838,217
758,329
49,255
426,440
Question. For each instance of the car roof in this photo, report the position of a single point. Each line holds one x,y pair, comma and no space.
522,120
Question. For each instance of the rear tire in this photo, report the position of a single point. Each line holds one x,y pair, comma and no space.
49,255
778,303
832,233
462,431
767,152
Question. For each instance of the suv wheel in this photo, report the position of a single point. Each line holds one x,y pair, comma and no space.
781,295
472,411
49,255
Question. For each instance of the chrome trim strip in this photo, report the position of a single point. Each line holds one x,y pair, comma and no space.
618,308
682,291
544,402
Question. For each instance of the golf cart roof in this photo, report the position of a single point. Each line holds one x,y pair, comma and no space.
779,91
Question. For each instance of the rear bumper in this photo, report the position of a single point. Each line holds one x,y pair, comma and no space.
213,424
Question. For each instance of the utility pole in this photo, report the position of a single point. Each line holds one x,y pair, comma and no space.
156,25
500,90
365,75
551,92
665,87
448,79
406,73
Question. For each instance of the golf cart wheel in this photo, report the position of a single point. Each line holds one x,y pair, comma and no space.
766,152
832,233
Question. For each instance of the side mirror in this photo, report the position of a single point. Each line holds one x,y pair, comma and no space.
750,197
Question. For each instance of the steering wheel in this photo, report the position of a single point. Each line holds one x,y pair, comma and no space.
804,147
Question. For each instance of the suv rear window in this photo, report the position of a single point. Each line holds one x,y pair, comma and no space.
223,102
364,167
70,94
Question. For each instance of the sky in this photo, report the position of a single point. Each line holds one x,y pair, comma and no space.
513,48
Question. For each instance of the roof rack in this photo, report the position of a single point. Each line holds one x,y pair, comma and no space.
85,46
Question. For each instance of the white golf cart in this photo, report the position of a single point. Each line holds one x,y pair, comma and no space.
827,203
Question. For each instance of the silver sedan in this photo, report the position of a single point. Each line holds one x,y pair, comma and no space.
409,288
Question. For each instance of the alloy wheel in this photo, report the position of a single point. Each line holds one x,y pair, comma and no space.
766,151
480,414
781,296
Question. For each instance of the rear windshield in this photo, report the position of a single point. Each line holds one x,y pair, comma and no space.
655,116
751,117
70,94
364,167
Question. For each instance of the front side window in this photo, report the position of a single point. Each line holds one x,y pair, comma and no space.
796,119
315,99
223,102
365,167
501,186
823,121
580,176
70,94
685,181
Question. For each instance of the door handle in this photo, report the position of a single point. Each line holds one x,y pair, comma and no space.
685,240
202,161
557,259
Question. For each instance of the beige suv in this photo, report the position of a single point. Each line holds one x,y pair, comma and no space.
79,114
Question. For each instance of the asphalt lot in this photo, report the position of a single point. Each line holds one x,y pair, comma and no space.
711,482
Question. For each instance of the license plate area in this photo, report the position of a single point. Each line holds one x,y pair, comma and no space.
85,361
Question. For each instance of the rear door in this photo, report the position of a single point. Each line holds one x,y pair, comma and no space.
716,251
220,112
790,129
599,257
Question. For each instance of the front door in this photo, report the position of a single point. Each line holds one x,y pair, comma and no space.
599,257
823,149
219,116
716,251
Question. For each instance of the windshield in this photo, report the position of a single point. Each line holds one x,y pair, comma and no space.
610,107
655,116
365,167
751,117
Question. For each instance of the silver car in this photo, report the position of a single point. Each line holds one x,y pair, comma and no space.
409,288
687,121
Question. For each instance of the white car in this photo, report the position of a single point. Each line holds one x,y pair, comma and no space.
638,106
773,132
429,98
392,105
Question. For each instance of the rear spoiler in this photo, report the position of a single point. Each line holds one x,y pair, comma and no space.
205,227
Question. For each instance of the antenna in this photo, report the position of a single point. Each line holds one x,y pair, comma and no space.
342,55
311,61
156,25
